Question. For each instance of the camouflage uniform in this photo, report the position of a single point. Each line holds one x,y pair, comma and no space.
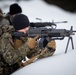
5,69
10,57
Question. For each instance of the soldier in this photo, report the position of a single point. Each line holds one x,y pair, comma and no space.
14,50
13,10
11,55
18,23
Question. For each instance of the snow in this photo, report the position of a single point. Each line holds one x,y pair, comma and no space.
60,63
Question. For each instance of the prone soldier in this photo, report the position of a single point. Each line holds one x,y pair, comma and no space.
14,49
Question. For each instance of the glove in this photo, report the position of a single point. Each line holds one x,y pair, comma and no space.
32,43
17,43
52,44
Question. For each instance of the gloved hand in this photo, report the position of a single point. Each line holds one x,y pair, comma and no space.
32,43
52,44
17,43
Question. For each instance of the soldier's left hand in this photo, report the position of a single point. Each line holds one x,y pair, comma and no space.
32,43
52,44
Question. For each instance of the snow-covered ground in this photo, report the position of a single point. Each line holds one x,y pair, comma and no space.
59,63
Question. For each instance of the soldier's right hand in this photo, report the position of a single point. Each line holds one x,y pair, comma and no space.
32,43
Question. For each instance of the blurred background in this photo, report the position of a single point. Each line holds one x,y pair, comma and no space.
67,5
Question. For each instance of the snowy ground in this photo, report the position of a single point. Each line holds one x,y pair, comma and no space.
59,63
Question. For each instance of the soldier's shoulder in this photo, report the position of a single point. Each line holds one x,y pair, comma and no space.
6,28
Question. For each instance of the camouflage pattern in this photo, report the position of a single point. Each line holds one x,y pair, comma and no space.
6,69
10,57
10,54
4,24
6,28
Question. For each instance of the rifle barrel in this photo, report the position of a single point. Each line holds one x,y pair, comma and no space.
62,22
74,31
41,24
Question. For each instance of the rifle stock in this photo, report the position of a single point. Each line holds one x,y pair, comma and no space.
34,58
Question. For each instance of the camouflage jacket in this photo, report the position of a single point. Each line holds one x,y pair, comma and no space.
5,28
10,54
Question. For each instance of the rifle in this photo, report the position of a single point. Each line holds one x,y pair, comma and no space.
44,24
54,34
